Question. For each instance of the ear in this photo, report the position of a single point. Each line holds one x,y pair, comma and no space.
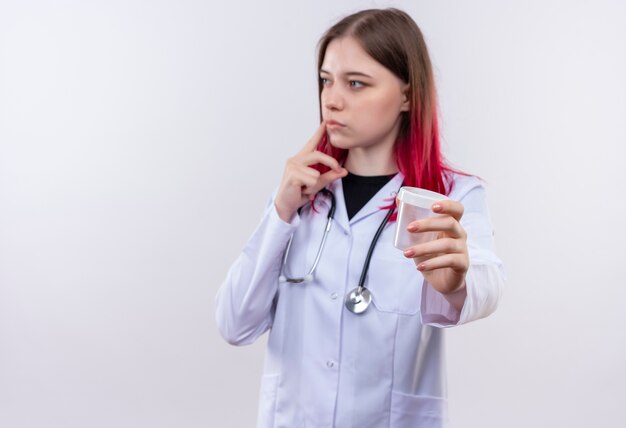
406,102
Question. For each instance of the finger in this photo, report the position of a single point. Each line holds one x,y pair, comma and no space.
311,145
444,223
449,207
327,178
306,181
319,157
308,171
457,262
301,177
436,247
295,171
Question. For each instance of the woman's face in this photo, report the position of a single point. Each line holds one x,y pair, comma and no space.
361,100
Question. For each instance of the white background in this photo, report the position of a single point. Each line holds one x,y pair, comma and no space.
140,140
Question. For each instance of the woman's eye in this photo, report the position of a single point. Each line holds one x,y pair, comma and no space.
324,81
356,84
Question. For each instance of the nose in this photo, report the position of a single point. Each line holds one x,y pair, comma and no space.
332,99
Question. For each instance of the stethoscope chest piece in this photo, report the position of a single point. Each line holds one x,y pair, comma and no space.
358,300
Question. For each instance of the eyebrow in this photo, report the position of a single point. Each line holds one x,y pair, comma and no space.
349,73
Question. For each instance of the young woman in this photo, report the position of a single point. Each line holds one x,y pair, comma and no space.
332,359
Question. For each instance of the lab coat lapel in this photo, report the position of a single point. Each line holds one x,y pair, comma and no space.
382,198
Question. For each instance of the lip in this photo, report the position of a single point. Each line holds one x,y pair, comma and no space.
333,124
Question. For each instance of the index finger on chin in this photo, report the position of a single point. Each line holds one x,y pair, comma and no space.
311,145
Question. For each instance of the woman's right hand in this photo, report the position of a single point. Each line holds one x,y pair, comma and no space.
300,182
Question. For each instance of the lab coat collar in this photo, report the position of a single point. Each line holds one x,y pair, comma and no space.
382,198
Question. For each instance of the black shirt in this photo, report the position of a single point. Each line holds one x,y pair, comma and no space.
358,190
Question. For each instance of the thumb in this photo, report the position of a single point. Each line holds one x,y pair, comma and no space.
327,178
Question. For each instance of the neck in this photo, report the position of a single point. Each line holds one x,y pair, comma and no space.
371,161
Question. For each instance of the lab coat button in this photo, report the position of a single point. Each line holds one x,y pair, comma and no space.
330,364
333,295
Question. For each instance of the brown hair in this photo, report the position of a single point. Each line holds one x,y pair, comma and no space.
392,38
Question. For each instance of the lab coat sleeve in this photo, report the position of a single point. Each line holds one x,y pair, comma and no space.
485,277
244,301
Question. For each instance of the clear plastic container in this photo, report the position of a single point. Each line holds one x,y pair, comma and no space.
414,204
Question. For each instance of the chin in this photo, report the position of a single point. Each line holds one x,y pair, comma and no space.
340,142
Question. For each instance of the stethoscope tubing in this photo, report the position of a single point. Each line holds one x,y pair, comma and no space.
309,276
358,299
370,251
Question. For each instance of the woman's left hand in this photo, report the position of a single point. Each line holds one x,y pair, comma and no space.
443,261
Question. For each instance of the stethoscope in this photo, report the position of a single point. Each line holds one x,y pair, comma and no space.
358,299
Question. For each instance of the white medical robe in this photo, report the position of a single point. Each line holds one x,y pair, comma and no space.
327,367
